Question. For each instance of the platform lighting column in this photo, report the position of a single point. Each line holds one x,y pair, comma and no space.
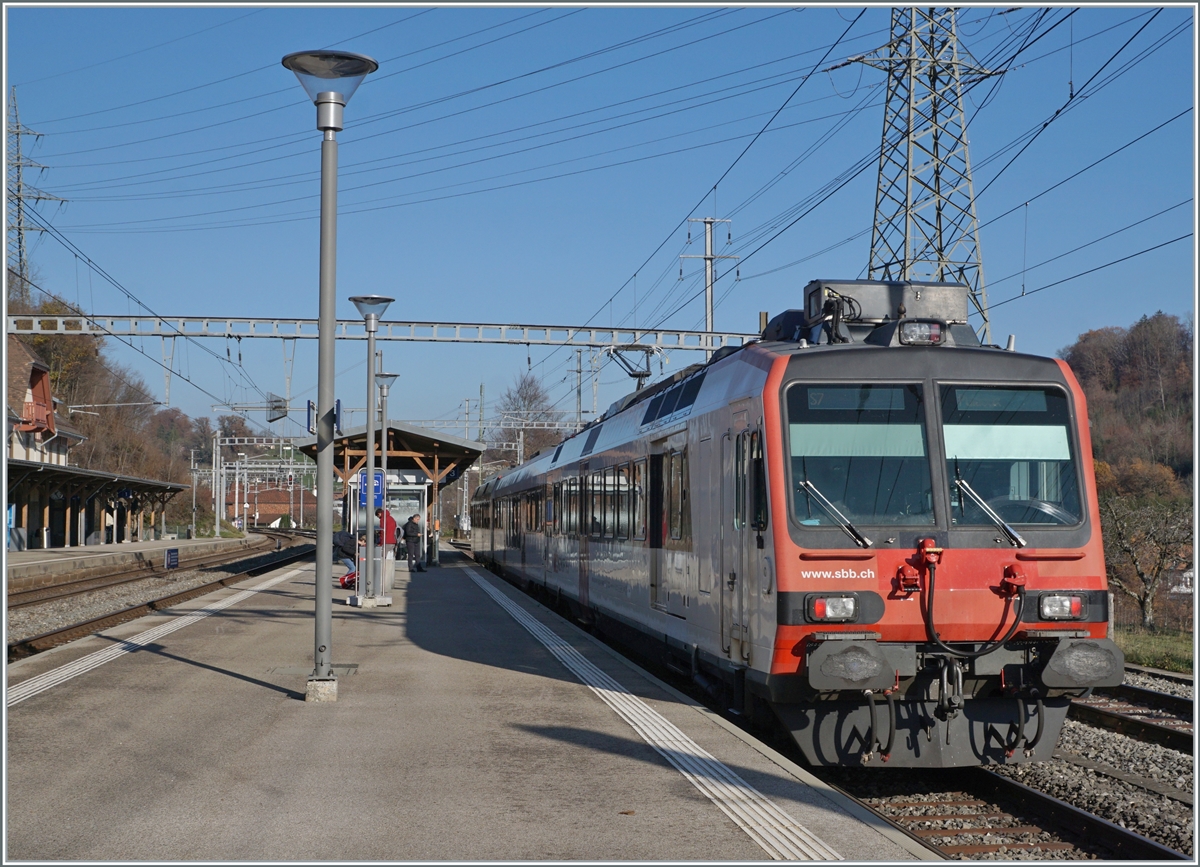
384,381
217,486
237,479
371,307
330,79
192,470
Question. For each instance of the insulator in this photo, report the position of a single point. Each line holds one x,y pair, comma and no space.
681,272
739,275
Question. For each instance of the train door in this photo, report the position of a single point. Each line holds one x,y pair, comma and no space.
670,526
708,518
654,532
523,528
736,580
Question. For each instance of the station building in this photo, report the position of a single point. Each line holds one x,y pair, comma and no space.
51,503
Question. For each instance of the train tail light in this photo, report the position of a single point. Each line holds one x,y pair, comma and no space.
829,609
922,332
1061,607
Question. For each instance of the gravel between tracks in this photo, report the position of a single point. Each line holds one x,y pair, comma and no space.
1161,819
1159,684
36,619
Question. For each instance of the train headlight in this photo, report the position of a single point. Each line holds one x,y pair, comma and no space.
922,332
832,608
1061,607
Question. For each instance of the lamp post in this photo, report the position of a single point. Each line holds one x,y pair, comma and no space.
330,79
371,307
237,478
384,381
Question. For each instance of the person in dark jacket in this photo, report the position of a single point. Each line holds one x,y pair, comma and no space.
345,548
412,540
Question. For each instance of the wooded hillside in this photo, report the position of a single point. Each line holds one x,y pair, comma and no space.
1138,383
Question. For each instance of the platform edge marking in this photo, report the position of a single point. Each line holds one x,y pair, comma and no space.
47,680
776,832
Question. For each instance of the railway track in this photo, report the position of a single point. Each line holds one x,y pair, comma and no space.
54,638
972,813
1149,716
67,589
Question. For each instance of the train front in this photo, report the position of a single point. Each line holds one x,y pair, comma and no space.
942,591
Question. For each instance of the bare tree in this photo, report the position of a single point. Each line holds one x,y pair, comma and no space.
1144,542
524,410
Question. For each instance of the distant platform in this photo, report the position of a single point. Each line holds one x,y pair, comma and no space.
24,567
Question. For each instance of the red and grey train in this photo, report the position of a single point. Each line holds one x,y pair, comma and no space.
866,522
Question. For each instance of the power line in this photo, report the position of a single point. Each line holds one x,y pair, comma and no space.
70,245
1092,270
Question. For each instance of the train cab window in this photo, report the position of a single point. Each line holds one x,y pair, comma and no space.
859,452
637,492
1011,448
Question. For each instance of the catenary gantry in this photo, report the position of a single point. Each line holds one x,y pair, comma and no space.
352,329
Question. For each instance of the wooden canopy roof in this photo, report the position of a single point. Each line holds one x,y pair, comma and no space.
440,456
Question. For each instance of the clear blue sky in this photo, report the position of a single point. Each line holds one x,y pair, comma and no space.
521,165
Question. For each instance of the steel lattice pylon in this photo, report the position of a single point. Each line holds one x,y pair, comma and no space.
925,223
19,194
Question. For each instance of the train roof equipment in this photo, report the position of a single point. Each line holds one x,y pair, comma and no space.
877,312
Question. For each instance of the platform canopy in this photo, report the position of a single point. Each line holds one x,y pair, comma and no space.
440,456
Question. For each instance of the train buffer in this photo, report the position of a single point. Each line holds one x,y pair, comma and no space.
470,724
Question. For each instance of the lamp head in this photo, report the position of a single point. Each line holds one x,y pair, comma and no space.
385,380
371,307
338,71
330,79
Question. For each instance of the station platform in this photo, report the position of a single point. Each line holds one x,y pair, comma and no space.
471,724
21,567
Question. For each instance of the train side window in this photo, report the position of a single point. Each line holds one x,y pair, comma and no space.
675,495
610,502
623,500
638,496
685,498
596,516
758,483
739,482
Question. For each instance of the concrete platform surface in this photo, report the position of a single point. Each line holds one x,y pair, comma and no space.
462,731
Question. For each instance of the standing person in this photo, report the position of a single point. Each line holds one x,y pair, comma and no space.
412,539
387,529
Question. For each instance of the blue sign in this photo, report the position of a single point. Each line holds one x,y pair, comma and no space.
172,558
362,489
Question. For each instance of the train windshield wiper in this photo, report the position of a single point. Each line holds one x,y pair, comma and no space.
1013,535
842,520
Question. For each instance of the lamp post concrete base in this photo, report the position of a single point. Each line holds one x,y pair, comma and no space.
369,601
321,689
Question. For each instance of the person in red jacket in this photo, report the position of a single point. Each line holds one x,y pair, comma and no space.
387,529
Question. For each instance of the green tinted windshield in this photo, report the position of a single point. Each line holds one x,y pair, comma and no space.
864,448
1011,445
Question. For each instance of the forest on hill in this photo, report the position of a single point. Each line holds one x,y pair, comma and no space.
1138,382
